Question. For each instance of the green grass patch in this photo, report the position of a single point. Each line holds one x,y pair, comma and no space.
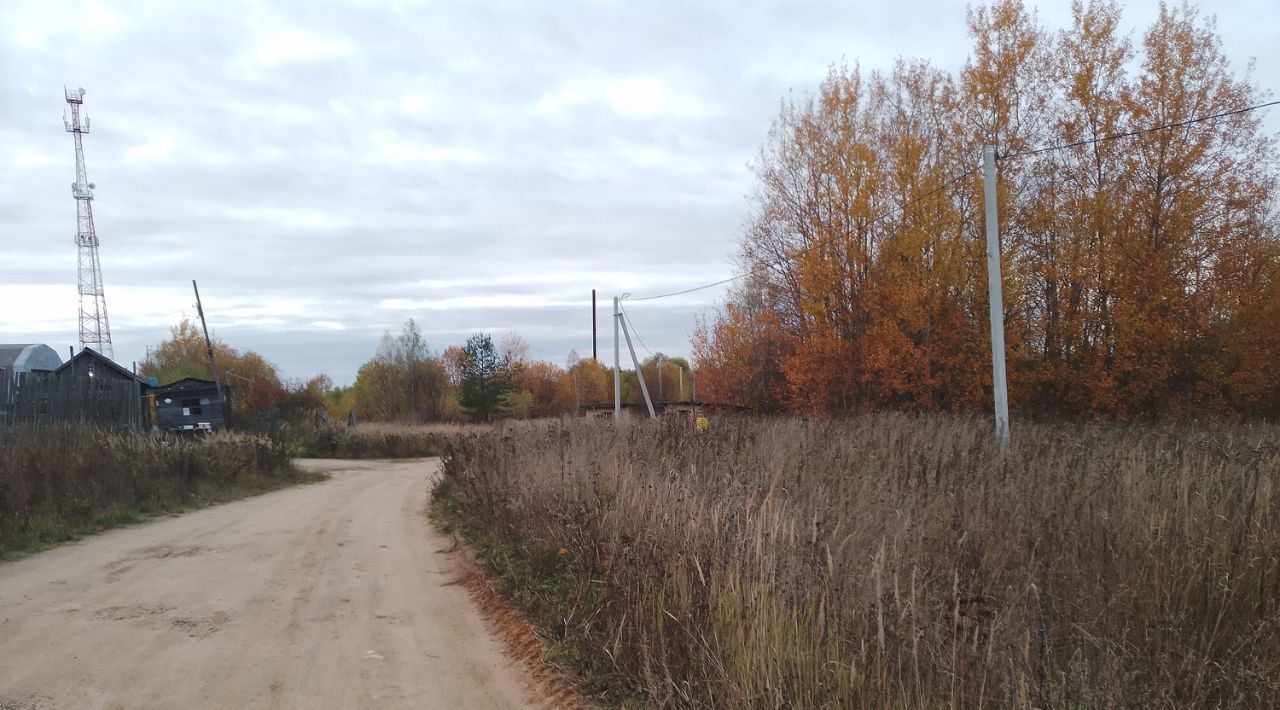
560,600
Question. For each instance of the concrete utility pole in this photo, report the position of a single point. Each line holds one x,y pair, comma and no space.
662,397
644,389
995,298
617,359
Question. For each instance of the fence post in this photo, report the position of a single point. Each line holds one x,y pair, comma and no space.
6,404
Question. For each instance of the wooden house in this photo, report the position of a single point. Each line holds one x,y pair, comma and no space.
89,388
91,363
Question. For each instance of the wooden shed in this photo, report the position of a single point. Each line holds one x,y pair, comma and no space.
191,404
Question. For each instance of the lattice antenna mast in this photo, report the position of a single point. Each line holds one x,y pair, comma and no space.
95,330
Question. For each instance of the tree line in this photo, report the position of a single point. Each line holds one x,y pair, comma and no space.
406,381
1141,274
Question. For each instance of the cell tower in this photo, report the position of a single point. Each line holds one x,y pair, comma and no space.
95,331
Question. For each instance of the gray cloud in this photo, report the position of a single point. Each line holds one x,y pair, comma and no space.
328,170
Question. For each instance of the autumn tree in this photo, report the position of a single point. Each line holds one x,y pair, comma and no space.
541,382
403,381
663,374
587,381
1132,266
254,381
1200,200
738,357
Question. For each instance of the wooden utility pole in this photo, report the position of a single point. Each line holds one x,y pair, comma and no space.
208,345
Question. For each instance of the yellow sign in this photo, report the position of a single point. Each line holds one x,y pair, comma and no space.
701,423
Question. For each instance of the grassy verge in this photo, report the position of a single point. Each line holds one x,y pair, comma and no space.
889,561
371,441
542,582
59,484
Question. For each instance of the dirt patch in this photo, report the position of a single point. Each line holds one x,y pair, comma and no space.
128,613
199,627
164,552
552,685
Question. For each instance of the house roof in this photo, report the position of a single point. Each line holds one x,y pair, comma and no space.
679,403
609,405
699,403
96,357
187,383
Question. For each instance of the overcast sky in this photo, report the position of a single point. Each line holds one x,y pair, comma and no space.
328,170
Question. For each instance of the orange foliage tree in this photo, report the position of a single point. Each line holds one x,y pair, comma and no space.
1139,273
255,382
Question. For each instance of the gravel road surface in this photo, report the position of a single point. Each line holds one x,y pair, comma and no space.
333,595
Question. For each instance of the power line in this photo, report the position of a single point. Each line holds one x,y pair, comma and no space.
810,247
902,208
633,329
1131,134
701,288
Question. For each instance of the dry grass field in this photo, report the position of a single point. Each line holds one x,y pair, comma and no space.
60,482
888,560
373,440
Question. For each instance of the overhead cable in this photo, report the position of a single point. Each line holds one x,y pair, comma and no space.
810,247
1131,134
632,325
957,178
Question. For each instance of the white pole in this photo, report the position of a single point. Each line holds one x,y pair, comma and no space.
644,389
617,362
995,298
662,397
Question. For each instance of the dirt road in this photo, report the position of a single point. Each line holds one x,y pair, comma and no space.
334,595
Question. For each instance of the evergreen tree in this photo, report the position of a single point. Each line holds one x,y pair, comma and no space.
485,378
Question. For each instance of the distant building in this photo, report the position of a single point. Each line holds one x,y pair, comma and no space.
604,410
191,404
91,363
22,358
691,409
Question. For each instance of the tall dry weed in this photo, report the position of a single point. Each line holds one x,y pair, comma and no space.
896,561
58,481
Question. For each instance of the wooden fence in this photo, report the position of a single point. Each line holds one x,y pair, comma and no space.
99,401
